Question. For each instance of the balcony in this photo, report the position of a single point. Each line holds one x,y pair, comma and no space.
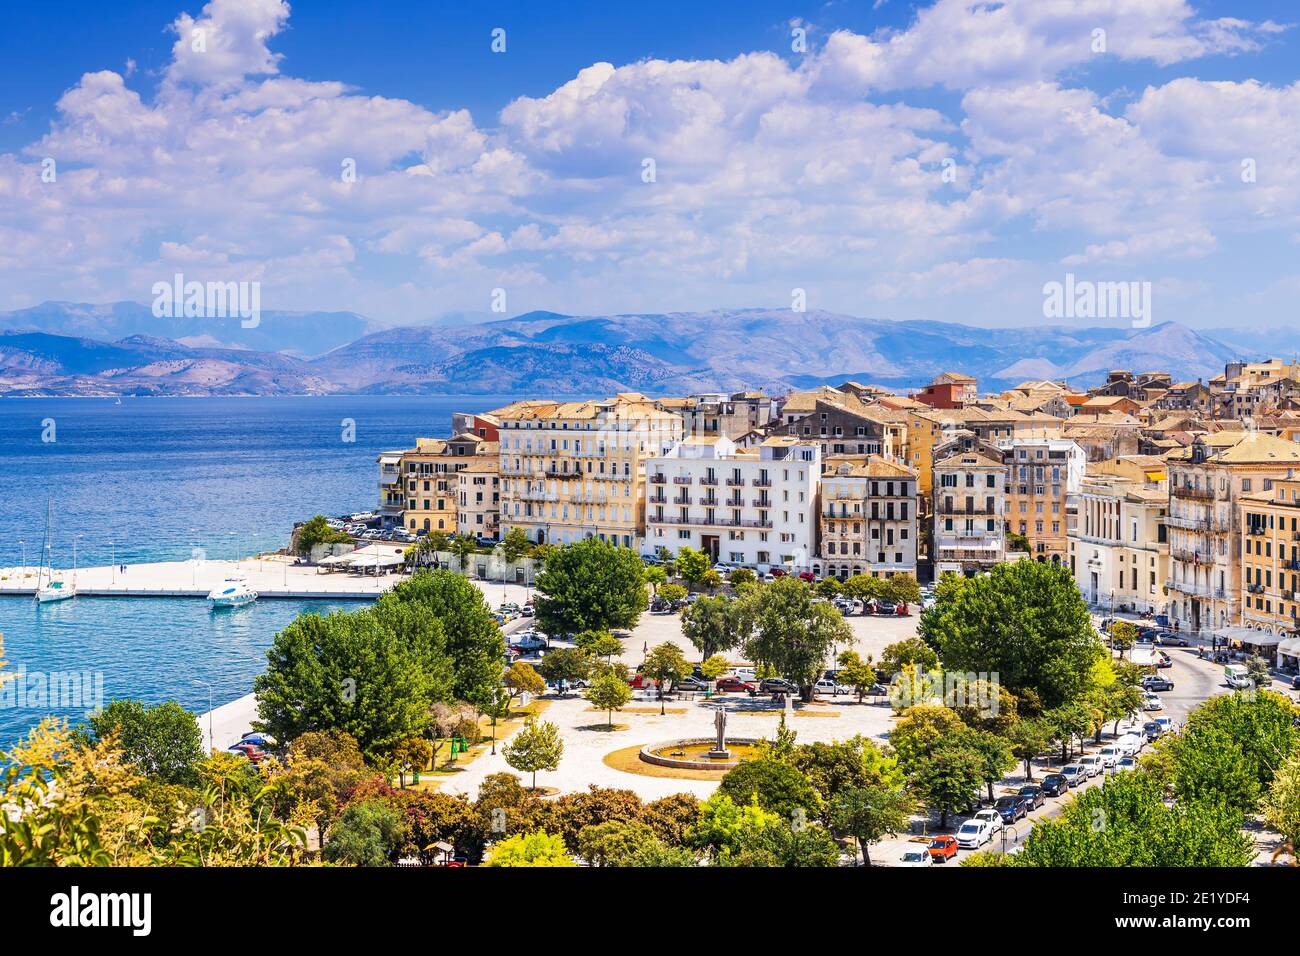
682,499
658,499
709,501
681,479
709,480
1192,494
955,509
735,482
736,502
761,503
709,522
762,482
658,479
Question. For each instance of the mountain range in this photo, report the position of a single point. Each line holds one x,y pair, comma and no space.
122,349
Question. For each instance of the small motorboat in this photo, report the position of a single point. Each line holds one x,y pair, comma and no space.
234,592
54,591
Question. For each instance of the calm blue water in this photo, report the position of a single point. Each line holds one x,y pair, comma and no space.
150,480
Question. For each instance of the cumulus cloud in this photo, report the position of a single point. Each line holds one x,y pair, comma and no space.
768,172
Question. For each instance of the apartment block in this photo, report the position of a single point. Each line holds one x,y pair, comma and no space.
575,470
868,518
969,536
755,507
1206,483
1044,476
1270,574
1119,551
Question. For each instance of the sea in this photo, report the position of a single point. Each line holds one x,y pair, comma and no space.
152,479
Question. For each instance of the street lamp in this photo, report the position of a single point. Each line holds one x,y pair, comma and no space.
212,739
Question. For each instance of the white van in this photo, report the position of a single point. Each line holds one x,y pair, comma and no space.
746,673
1237,676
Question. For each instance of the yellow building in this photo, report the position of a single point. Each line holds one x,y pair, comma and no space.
574,470
1206,483
431,484
1270,566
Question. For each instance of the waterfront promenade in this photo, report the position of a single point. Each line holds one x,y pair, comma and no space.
271,576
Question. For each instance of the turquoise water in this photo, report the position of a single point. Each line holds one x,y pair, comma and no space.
151,479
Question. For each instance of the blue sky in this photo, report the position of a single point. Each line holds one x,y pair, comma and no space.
776,169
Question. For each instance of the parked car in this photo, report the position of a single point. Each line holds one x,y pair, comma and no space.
692,683
807,576
916,858
530,642
1055,784
660,606
830,687
746,673
1110,756
974,834
1152,730
1032,795
527,611
1154,682
1126,763
1163,661
1170,639
640,681
777,685
887,608
1074,774
1167,725
943,848
723,568
1011,809
778,572
734,685
1152,702
990,816
1092,765
1129,744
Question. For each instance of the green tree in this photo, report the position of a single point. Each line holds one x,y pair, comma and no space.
598,643
372,673
658,855
869,813
411,755
536,747
673,592
739,577
1258,670
902,589
1123,635
948,778
778,787
318,531
920,730
1028,738
473,638
530,849
612,843
1127,823
366,834
515,545
1068,722
591,585
714,666
692,565
828,587
913,651
521,678
609,692
1281,804
865,587
713,624
665,665
1025,621
463,548
163,741
783,844
1259,731
655,575
794,633
856,673
995,753
566,664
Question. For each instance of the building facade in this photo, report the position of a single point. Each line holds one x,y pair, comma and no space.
751,507
1044,476
868,518
1206,483
575,470
1119,551
969,501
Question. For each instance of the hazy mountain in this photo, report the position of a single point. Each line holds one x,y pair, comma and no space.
547,353
300,333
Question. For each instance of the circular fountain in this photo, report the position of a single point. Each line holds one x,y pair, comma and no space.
699,753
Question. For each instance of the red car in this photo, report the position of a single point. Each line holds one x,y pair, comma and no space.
902,610
942,848
777,573
730,685
640,680
807,576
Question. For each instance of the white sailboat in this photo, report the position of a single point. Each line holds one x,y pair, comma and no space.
53,590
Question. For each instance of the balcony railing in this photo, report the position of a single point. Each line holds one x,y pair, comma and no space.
762,482
709,480
709,522
681,479
658,479
955,509
735,482
682,499
761,503
1192,494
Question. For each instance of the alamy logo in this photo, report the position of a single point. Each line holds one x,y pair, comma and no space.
1085,299
208,300
74,909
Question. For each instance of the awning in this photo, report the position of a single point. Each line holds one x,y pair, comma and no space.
1290,648
1247,635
